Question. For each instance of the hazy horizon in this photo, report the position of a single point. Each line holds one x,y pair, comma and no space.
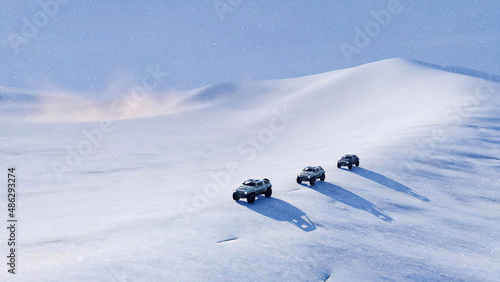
101,48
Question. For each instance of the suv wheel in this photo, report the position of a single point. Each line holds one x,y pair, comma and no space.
299,180
235,197
350,166
338,165
251,198
312,181
268,193
322,178
357,163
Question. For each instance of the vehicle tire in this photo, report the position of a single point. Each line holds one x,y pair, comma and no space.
251,198
338,165
267,180
322,177
357,163
268,193
312,182
235,197
350,166
299,180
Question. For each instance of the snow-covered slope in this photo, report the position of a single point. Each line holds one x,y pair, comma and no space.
150,198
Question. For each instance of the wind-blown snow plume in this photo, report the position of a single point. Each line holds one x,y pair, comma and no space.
59,106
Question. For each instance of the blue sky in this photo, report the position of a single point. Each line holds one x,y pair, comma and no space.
100,47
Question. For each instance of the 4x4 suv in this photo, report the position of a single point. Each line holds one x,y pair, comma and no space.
311,173
348,160
251,188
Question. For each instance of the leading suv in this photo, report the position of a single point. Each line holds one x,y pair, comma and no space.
251,188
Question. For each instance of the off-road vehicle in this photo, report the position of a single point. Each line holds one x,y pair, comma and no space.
348,161
251,188
311,173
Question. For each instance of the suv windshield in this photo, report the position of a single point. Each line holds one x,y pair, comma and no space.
347,157
308,169
249,183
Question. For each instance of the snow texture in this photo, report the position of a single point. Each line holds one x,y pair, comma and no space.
147,195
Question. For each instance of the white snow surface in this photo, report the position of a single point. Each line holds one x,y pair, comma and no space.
149,199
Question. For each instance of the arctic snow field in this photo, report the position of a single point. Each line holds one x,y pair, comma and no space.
141,188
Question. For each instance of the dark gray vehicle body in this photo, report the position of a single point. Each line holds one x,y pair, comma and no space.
251,188
348,160
311,173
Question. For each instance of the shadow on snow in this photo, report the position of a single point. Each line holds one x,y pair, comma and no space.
281,211
387,182
349,198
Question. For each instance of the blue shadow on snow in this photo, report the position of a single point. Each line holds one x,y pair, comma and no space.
281,211
349,198
387,182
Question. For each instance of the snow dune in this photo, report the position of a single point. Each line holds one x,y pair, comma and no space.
147,195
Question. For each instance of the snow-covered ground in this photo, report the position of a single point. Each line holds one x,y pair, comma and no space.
150,198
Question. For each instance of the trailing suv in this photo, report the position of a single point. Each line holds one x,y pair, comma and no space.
251,188
348,161
311,173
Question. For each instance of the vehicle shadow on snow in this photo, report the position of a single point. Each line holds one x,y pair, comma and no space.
349,198
387,182
281,211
